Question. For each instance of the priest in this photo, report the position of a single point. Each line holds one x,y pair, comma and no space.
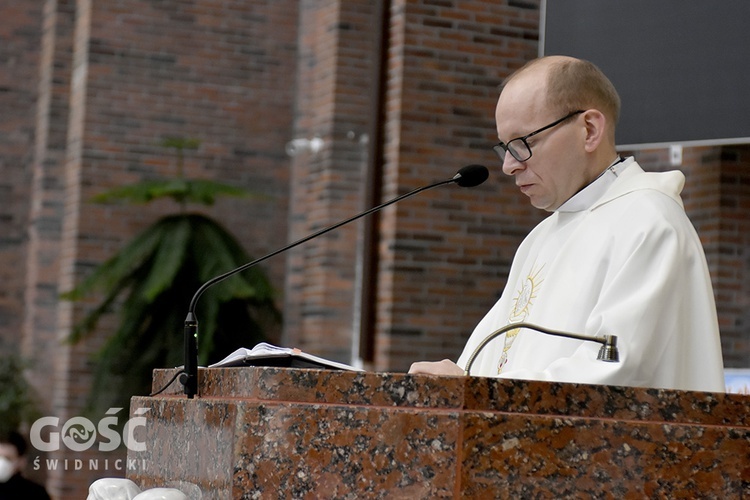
616,256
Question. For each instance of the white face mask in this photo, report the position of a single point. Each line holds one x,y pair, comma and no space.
7,469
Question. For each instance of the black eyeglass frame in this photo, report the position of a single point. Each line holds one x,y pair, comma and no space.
504,147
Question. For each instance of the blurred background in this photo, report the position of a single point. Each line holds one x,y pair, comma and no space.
268,120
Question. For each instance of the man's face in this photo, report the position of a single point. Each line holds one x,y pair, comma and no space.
554,172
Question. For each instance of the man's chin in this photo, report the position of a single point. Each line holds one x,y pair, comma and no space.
542,204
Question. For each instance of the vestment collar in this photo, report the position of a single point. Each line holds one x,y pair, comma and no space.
586,197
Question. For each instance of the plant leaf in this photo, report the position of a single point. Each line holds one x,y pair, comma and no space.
149,284
202,191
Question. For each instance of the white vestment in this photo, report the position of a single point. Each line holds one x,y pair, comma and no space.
619,258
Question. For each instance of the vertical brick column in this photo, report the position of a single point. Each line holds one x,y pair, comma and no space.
20,34
40,342
336,88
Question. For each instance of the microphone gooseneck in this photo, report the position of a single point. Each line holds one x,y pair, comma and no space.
468,176
607,352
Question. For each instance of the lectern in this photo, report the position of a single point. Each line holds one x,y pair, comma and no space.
259,432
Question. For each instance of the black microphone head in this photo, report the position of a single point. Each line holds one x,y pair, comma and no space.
471,175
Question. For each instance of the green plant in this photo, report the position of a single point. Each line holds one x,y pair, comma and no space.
17,402
151,280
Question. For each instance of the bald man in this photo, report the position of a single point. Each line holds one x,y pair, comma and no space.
616,256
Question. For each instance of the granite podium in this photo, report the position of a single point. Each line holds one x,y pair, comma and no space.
259,432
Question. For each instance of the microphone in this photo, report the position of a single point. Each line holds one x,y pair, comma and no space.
468,176
608,351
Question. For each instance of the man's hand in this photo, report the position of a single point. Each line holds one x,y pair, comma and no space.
444,367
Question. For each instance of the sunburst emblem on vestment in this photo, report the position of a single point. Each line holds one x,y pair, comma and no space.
521,308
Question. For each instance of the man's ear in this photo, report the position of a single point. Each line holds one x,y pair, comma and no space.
596,129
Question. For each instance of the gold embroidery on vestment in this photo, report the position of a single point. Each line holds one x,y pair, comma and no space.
521,309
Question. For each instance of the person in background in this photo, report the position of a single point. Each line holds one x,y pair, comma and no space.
617,256
13,486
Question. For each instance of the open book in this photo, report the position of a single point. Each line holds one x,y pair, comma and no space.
265,354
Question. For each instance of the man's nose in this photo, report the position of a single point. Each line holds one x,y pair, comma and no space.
511,165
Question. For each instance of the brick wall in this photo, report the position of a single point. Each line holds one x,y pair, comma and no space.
20,38
439,249
733,270
444,256
40,344
336,87
116,79
47,192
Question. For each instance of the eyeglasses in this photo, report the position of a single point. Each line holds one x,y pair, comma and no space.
519,148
